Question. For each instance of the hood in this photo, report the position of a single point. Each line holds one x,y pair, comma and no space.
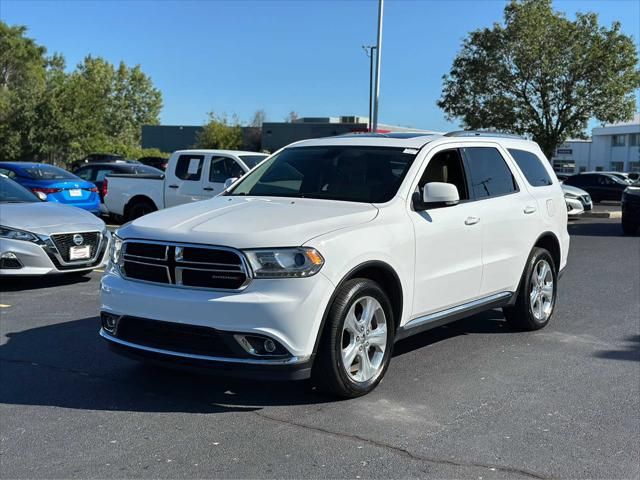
573,190
46,218
245,222
633,190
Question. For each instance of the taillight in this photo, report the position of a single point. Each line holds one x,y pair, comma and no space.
105,187
46,190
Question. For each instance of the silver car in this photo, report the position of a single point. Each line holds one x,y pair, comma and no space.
40,238
578,201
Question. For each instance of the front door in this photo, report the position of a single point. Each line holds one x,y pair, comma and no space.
448,269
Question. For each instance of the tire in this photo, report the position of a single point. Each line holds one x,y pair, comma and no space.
524,315
139,209
358,303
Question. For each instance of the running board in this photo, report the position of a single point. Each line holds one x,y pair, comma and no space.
437,319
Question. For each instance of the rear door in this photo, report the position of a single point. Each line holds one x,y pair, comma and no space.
184,181
219,169
506,210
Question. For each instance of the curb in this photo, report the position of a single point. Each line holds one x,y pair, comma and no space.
601,215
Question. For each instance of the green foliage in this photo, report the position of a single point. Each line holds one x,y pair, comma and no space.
49,114
543,75
219,133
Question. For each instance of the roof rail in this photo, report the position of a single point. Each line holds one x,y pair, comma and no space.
482,133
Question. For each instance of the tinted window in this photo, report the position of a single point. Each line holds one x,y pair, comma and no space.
146,170
252,160
85,173
11,192
223,168
350,173
446,167
189,167
490,175
532,167
8,173
48,172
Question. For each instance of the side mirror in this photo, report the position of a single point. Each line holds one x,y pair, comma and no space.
436,195
230,181
42,196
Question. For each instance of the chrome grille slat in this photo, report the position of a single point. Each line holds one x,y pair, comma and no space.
215,275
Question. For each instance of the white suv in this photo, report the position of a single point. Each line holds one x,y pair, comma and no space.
329,251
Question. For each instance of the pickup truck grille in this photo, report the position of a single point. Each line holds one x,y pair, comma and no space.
184,265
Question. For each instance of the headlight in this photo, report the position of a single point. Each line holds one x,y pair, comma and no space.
115,249
14,234
570,195
285,262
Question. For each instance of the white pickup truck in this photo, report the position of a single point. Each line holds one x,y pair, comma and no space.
191,175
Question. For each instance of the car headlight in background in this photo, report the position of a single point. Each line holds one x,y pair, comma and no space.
14,234
285,262
570,195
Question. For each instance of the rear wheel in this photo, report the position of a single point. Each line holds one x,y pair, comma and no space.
139,209
357,342
537,295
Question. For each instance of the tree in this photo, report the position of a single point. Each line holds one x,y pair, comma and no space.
542,75
291,117
218,133
258,118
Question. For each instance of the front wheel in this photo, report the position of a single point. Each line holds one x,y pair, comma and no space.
537,295
357,342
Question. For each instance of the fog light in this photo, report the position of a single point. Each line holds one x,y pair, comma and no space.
9,260
269,346
109,322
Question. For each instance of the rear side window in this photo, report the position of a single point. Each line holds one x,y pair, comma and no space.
189,167
532,167
490,175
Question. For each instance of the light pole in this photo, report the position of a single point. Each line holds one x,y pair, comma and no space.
374,123
368,50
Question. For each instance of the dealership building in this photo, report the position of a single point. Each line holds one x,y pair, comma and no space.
614,147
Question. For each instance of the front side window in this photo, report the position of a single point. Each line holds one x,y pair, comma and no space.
189,167
223,168
349,173
532,167
446,166
490,175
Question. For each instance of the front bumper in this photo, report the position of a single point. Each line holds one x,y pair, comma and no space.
36,259
289,311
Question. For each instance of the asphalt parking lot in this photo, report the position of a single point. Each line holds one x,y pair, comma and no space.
471,400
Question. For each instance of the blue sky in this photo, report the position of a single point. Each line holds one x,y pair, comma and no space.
240,56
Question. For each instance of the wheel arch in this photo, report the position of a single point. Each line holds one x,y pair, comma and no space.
380,272
549,241
134,200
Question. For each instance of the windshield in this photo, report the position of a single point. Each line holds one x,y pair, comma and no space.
48,172
350,173
617,179
252,160
11,192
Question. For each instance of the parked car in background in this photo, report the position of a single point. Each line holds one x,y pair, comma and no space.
59,185
621,175
40,238
156,162
601,186
635,176
578,201
631,210
562,176
329,251
98,158
191,175
97,173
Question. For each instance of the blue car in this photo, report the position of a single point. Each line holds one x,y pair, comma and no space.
59,185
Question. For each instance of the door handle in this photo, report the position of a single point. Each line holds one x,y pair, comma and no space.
471,220
173,186
208,189
529,209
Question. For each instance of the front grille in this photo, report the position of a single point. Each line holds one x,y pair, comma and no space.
176,337
190,266
64,242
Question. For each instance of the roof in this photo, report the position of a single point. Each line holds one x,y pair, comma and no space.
205,151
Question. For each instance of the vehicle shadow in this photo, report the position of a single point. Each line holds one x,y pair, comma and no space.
19,284
593,229
632,351
68,365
